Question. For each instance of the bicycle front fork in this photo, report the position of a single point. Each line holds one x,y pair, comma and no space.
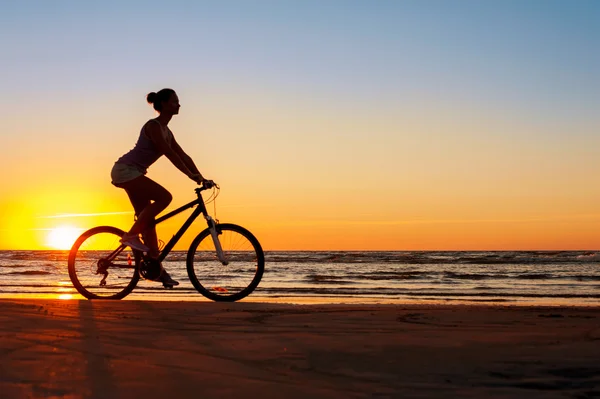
212,227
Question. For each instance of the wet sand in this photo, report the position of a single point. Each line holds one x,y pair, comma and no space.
145,349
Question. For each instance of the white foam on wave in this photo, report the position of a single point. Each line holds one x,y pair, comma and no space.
595,257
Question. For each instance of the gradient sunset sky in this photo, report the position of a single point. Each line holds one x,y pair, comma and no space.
355,125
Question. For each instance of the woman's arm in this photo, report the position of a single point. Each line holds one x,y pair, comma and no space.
185,157
154,132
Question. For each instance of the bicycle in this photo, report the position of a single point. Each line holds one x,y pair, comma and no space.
225,262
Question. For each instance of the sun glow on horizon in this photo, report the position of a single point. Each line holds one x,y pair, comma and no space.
62,237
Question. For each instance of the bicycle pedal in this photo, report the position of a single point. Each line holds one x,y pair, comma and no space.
168,286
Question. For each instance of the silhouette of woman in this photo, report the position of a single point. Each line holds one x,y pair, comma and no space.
148,197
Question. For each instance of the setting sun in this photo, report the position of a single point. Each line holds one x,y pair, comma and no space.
62,237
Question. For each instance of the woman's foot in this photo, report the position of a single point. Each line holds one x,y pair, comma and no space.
134,242
166,278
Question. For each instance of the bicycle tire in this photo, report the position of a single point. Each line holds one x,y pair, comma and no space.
236,280
84,264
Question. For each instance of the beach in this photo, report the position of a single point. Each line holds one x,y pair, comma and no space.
157,349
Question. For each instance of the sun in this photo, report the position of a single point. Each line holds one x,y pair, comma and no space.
62,237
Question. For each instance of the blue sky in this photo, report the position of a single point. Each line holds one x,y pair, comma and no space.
537,54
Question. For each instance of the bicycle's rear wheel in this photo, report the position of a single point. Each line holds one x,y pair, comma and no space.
237,279
100,267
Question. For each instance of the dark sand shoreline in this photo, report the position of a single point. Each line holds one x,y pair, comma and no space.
154,349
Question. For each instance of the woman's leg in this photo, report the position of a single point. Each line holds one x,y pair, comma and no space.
151,240
148,199
139,202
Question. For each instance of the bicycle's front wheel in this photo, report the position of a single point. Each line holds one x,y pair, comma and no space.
245,263
100,267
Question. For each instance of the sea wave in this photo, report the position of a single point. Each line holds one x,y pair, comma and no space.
389,274
360,257
437,257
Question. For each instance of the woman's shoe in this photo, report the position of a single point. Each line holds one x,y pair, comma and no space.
166,279
134,242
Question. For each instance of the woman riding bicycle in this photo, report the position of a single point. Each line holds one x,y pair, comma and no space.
148,197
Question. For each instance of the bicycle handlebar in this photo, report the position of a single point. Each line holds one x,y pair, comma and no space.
207,185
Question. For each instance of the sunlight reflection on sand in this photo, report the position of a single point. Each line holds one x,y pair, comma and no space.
325,300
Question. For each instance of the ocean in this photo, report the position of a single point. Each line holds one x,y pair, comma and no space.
509,277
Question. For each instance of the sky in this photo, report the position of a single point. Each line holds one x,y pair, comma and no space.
329,125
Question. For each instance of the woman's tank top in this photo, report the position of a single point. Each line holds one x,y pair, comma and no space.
145,153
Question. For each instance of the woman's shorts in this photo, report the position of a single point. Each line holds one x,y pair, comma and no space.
122,173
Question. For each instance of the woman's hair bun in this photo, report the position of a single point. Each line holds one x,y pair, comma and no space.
157,99
151,98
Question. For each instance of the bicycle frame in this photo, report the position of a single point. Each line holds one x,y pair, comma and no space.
200,210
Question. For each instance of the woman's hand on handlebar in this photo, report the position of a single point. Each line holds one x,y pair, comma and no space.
208,184
201,181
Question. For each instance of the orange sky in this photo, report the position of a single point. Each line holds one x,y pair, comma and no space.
409,190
